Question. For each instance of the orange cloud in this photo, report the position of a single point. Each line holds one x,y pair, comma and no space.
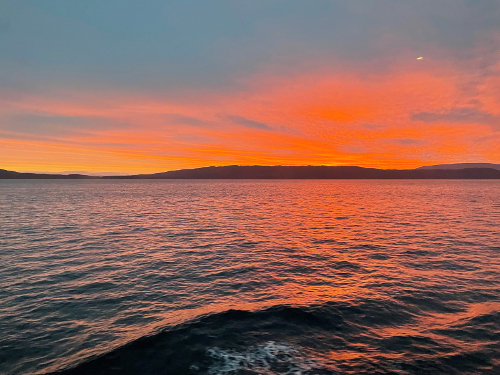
329,116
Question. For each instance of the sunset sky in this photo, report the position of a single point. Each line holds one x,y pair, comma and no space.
133,86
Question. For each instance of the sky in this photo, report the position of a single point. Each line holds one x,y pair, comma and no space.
141,86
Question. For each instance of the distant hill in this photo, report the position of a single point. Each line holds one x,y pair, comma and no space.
319,172
4,174
462,166
286,172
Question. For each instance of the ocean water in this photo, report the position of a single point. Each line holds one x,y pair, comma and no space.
250,277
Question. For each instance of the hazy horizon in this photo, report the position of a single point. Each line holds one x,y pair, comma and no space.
102,174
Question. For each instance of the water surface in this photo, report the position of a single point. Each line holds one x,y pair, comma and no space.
250,277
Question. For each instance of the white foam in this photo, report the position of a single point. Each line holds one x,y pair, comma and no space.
270,358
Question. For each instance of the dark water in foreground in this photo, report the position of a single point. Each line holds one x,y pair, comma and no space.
250,277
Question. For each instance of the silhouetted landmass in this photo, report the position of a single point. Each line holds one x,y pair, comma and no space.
462,166
4,174
285,172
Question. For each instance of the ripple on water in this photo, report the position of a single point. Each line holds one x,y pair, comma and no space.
264,277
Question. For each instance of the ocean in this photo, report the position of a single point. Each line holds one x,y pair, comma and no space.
249,277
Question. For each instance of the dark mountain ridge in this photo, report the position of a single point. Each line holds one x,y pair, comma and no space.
461,166
284,172
4,174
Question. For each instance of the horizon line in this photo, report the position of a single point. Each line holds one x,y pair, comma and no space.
118,174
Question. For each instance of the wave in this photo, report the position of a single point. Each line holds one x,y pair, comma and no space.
369,337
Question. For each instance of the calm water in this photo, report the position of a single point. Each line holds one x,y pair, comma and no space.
250,277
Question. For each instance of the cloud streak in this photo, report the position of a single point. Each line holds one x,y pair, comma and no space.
466,115
176,118
252,124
